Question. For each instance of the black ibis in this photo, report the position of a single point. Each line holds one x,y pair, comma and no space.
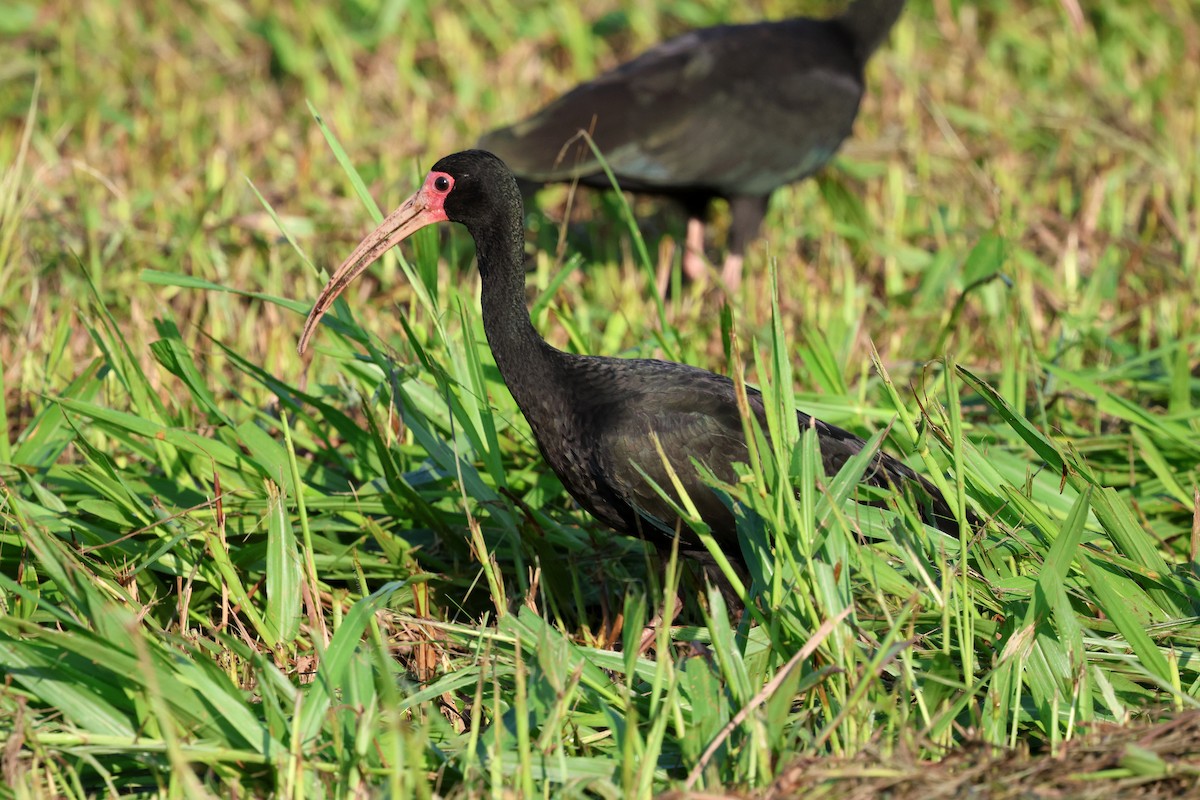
595,418
732,111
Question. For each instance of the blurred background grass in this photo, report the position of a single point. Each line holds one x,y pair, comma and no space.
1052,142
1071,137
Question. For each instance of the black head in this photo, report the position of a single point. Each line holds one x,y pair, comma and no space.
482,189
473,188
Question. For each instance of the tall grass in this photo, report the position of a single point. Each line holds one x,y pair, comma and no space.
225,569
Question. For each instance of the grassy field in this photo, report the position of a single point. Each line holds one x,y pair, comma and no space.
229,571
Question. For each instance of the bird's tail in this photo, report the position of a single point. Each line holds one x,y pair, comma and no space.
868,22
931,503
936,511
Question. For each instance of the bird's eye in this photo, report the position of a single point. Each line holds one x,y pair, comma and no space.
441,183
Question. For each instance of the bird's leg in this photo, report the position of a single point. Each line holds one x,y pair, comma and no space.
695,265
672,596
731,273
700,572
746,215
650,632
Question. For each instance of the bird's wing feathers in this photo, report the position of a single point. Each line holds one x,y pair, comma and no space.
690,421
693,413
684,112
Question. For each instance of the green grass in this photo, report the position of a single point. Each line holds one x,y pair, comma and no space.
224,568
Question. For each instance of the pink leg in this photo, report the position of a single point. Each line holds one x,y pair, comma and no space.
731,273
747,214
695,265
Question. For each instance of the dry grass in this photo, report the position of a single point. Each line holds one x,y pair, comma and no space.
1140,761
1148,761
140,157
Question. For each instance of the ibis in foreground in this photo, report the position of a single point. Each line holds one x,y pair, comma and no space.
603,424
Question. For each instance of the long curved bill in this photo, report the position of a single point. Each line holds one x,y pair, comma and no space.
413,214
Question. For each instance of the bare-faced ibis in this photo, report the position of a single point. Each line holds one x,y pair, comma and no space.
733,111
596,419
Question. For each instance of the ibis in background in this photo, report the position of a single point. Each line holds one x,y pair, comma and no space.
732,111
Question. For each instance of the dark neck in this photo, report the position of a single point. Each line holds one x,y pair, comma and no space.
530,367
868,23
